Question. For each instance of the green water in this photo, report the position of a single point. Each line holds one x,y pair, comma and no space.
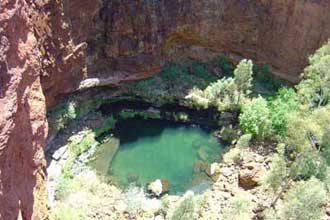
155,149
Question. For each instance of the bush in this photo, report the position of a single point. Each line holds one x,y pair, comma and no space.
78,146
278,173
304,201
63,113
226,93
232,156
240,208
131,113
180,116
243,76
264,76
64,212
314,89
224,64
199,71
244,141
221,95
186,209
108,125
310,164
254,119
283,104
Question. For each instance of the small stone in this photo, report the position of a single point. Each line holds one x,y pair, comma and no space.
226,171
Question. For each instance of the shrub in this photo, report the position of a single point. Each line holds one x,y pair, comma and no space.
63,212
186,209
264,76
199,71
240,207
278,173
244,141
304,201
63,113
226,93
283,104
243,76
232,156
181,116
108,124
130,113
254,119
78,146
309,164
221,94
224,64
314,89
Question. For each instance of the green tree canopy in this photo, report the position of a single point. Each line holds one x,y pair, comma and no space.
314,88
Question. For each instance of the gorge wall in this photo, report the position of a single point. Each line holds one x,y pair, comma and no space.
49,48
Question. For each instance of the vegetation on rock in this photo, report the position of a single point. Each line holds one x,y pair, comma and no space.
255,118
187,209
296,120
240,207
314,89
226,93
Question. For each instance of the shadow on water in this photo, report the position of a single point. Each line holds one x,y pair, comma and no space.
151,149
130,130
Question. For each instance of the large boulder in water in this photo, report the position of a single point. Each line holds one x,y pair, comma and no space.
158,187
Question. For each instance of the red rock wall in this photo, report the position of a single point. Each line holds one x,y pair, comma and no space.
128,40
23,126
50,46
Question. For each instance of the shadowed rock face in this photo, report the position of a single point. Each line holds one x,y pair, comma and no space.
23,126
127,40
51,48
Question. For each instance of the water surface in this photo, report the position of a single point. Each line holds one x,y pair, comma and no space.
157,149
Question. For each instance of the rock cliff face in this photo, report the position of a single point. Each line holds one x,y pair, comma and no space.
126,40
51,48
23,125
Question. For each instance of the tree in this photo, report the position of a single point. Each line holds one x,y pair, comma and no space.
243,77
314,89
254,118
221,94
226,93
281,106
303,201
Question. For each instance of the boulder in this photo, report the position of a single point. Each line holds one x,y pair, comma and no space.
158,187
132,177
251,176
202,154
200,166
159,217
213,171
